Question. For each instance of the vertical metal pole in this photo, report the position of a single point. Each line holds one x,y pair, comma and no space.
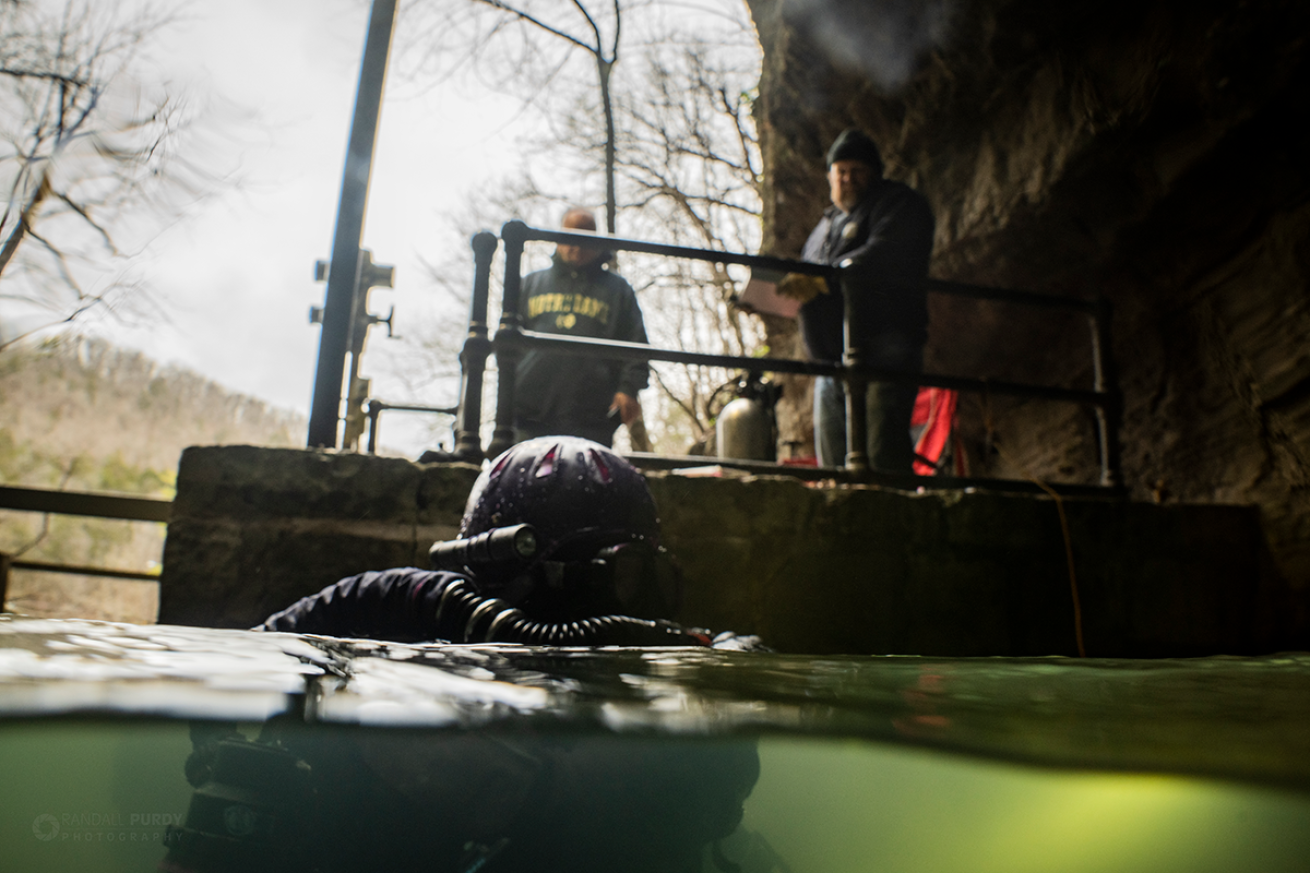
506,343
374,410
857,399
473,357
343,270
1109,415
5,560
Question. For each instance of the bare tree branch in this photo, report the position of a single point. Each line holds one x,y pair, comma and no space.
18,73
681,142
554,31
595,45
85,156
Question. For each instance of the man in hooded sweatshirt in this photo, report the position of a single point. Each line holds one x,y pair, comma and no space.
579,295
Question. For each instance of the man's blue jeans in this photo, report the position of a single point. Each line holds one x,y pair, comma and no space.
889,409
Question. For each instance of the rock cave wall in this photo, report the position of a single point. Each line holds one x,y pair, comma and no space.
1154,152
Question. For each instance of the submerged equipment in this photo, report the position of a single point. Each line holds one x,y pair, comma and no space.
306,797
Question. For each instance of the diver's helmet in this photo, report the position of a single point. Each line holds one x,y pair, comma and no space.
592,541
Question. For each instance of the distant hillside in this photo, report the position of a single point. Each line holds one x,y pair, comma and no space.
83,415
84,398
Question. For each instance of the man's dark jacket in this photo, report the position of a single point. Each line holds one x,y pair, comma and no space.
887,240
574,393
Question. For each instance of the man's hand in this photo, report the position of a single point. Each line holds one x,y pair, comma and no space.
798,286
628,407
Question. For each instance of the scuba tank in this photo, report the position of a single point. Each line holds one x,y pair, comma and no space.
745,429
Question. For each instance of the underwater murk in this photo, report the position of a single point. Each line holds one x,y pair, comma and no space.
140,748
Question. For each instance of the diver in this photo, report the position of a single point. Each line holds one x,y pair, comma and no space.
559,545
322,798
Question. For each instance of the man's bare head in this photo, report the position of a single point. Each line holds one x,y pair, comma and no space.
577,256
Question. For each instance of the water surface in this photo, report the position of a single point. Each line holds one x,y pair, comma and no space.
904,764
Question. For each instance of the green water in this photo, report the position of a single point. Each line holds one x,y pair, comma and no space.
103,784
851,806
95,795
410,757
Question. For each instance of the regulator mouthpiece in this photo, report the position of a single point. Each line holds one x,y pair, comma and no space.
516,544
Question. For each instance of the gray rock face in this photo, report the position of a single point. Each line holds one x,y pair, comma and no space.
1152,152
816,570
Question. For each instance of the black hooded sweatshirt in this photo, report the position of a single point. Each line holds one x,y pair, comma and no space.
570,394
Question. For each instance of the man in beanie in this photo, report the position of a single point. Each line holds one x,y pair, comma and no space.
880,234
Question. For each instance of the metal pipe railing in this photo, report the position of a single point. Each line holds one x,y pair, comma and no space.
477,346
377,407
511,341
587,346
1007,295
120,506
116,506
1105,380
857,398
520,233
74,570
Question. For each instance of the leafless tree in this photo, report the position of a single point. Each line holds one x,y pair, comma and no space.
688,163
678,148
513,30
83,147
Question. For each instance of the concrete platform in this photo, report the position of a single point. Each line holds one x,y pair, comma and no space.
852,570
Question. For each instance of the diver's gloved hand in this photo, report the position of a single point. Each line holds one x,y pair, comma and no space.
731,642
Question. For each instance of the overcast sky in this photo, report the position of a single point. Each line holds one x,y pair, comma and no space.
273,84
237,272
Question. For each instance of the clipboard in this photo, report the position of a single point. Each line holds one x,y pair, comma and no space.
761,295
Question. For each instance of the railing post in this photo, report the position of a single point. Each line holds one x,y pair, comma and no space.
857,397
508,335
1109,415
375,408
473,357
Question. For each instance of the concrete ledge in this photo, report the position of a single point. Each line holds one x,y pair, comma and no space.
836,570
862,570
254,529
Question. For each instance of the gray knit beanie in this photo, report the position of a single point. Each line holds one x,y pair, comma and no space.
854,145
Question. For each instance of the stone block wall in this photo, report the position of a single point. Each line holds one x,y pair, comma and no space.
254,529
812,570
845,570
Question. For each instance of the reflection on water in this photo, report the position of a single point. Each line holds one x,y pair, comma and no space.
503,758
84,795
340,799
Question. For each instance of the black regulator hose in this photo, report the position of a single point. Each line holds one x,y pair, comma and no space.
464,615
